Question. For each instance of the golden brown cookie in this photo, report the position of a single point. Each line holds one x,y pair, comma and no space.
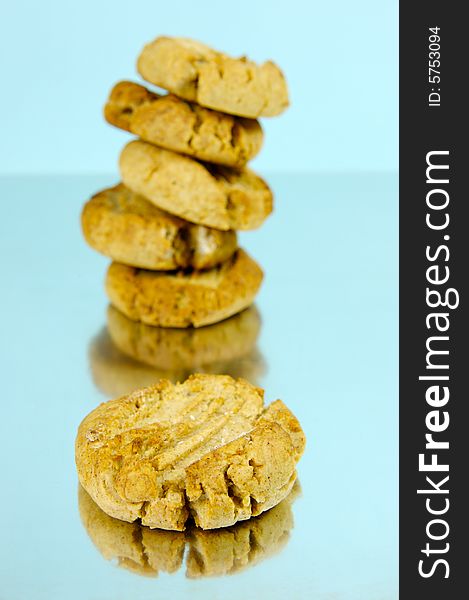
210,78
148,354
206,448
181,126
131,230
202,193
184,299
149,552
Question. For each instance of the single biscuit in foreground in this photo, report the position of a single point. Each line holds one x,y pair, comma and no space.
210,78
201,193
206,449
180,299
131,230
181,126
149,552
138,355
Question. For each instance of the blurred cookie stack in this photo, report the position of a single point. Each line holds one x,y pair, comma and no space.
170,226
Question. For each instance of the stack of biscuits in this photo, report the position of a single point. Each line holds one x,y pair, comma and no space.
207,451
170,225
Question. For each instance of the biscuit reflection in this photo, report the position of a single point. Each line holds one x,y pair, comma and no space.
208,553
127,355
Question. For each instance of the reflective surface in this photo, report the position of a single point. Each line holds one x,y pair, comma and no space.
225,551
324,340
126,355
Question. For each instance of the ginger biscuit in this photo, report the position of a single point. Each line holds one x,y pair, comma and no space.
180,126
184,299
206,448
131,230
195,72
201,193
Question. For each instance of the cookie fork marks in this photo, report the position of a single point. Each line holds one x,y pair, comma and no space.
205,448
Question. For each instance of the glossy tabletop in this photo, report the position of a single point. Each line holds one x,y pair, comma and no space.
324,340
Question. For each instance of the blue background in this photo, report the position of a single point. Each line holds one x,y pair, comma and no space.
59,60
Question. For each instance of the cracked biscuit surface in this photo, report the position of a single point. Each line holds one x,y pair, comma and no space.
184,299
180,126
131,230
207,194
197,73
205,449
